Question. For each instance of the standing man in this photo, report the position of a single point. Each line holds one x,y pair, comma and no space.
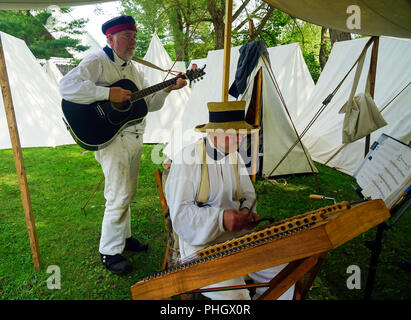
120,160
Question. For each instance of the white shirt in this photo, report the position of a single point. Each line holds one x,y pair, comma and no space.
199,227
88,82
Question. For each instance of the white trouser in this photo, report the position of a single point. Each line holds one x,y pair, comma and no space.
120,162
265,275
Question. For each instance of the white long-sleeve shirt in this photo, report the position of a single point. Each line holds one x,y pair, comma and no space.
199,227
88,82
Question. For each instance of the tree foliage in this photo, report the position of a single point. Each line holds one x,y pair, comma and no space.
190,28
31,28
173,21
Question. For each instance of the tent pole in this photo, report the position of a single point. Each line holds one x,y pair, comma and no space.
227,48
18,158
257,121
373,71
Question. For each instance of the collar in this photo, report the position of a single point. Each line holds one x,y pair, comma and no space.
212,151
114,57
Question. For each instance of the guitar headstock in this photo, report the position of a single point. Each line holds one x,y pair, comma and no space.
195,73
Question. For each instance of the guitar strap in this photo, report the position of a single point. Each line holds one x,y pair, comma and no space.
109,53
151,65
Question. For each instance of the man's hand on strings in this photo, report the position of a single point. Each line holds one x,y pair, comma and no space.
179,84
235,220
254,215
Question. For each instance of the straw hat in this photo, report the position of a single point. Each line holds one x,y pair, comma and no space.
227,116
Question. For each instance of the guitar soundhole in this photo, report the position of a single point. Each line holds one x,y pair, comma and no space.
121,107
116,118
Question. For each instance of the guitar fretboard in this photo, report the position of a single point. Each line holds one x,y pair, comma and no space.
153,89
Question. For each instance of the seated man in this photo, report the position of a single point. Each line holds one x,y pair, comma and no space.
211,207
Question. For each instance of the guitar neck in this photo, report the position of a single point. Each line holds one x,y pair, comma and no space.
153,89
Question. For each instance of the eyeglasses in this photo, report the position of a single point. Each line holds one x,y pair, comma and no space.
128,37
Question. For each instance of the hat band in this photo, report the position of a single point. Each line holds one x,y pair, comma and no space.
226,116
121,27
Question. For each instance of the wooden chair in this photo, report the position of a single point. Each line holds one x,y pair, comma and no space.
160,181
300,272
172,253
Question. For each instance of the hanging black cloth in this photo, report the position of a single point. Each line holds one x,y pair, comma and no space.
249,55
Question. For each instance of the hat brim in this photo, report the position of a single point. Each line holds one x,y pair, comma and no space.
239,127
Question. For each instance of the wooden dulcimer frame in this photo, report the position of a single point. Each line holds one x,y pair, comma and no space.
290,240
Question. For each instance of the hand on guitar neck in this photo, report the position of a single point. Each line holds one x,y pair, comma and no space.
179,84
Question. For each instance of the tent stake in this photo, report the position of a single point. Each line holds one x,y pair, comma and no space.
18,158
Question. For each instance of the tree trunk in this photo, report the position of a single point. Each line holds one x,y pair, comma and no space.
178,34
265,19
217,16
337,35
323,45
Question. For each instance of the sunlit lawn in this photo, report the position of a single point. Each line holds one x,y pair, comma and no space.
61,180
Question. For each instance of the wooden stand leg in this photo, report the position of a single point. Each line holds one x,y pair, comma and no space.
293,272
310,277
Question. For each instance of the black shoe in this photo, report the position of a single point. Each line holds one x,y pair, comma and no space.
132,244
406,265
116,264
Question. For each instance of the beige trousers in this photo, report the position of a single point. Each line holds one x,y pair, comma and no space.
120,162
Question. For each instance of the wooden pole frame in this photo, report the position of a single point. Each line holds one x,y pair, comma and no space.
373,72
256,135
18,158
227,48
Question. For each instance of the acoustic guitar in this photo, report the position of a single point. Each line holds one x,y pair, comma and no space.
94,126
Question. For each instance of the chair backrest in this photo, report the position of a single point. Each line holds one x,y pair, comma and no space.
172,255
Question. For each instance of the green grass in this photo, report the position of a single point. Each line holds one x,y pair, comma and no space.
61,180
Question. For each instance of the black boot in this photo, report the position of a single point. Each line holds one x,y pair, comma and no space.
132,244
116,264
406,265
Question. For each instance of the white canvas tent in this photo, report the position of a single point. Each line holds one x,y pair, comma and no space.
393,74
278,133
51,69
36,99
293,76
159,123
